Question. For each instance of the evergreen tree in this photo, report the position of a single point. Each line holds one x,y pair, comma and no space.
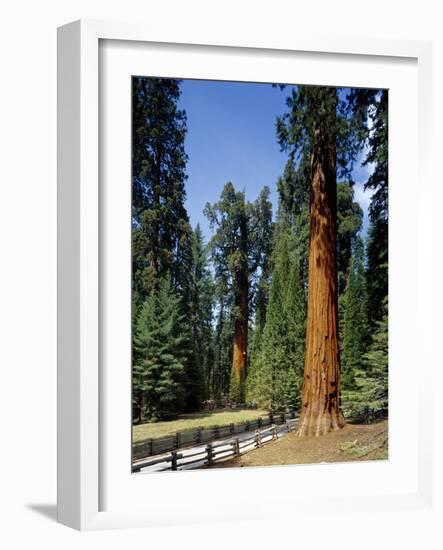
260,242
266,382
277,365
160,227
368,398
318,126
161,233
373,106
158,367
240,246
349,223
293,210
355,329
199,317
221,372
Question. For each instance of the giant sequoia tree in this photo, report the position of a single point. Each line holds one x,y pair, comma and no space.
315,125
240,246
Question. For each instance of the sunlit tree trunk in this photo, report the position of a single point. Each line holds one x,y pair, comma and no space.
240,339
320,410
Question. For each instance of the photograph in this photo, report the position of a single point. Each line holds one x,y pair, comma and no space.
259,274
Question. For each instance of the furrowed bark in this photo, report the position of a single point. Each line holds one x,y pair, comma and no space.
320,411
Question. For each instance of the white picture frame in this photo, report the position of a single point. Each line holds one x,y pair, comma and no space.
81,420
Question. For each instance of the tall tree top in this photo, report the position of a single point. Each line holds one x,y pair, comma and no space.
158,133
321,113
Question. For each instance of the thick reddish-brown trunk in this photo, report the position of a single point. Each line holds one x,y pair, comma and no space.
240,340
320,410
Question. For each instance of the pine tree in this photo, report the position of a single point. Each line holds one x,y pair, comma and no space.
266,383
221,372
199,317
158,367
260,243
373,106
161,233
293,209
277,364
349,223
355,330
160,227
369,397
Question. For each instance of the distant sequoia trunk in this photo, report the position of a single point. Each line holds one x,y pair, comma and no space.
320,410
240,340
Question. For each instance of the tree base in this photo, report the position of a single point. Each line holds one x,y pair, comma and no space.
315,424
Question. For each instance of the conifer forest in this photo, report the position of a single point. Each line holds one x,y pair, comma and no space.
270,296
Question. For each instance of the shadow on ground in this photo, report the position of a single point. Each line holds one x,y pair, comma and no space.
48,511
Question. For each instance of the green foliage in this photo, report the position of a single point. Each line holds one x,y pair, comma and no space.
349,223
277,365
199,319
320,114
160,227
293,211
185,310
378,211
159,358
260,238
355,336
373,104
236,387
220,376
240,250
369,397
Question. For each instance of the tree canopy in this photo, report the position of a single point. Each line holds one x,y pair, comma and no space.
252,311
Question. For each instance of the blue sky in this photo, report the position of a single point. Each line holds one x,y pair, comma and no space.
231,137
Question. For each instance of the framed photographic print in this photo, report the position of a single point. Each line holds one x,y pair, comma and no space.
238,275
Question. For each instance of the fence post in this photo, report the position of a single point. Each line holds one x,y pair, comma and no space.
247,426
199,435
274,432
237,447
288,426
232,428
292,414
151,447
174,460
259,422
234,448
216,432
271,418
177,440
258,438
282,417
209,453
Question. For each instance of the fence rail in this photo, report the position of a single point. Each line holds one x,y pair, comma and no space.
217,452
188,438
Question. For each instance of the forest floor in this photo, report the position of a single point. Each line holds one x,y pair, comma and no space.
353,443
204,419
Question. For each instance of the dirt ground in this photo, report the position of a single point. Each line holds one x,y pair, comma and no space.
353,442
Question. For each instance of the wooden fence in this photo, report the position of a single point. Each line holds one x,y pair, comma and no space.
189,438
215,452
